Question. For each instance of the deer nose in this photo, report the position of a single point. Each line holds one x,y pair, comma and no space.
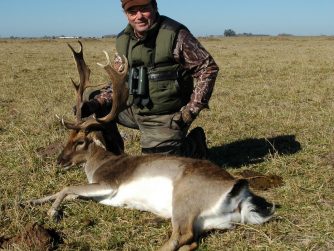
60,159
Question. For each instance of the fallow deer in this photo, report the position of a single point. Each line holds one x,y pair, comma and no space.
196,194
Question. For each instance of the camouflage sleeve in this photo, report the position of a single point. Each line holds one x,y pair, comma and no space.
193,57
105,95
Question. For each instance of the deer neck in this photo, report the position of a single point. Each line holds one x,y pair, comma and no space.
97,156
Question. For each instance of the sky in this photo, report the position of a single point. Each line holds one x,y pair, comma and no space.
95,18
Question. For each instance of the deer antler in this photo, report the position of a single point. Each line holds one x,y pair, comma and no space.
84,73
120,91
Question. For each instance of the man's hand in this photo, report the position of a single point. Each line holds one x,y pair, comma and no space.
187,116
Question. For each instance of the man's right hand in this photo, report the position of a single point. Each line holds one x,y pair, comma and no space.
88,108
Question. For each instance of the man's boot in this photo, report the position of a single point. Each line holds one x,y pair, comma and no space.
194,145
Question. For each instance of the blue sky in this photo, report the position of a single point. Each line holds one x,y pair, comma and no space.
203,17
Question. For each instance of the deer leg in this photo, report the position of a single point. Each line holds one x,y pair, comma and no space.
85,191
183,234
190,247
186,241
46,199
41,200
173,242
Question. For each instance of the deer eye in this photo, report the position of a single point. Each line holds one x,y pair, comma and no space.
80,145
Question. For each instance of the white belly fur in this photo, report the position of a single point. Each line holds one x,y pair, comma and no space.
153,194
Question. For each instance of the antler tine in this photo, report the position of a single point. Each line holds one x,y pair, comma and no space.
120,91
87,125
84,73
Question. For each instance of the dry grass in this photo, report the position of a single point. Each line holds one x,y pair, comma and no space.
271,111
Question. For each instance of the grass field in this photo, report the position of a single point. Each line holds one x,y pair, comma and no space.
271,112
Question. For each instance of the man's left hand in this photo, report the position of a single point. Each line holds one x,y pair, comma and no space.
187,116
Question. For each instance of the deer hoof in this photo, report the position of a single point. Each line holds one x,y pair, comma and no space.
53,213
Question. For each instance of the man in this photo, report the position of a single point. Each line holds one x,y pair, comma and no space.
171,79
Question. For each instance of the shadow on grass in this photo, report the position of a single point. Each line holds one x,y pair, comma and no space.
253,151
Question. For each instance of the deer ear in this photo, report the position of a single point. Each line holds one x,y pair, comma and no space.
98,139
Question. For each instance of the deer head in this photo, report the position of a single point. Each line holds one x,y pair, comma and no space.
81,136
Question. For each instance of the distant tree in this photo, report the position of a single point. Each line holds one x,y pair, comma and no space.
229,33
247,34
109,36
284,35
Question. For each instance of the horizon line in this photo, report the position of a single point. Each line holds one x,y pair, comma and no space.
199,36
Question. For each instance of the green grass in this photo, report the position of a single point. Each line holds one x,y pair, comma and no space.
268,88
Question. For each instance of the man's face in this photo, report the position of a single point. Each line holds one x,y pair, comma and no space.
141,18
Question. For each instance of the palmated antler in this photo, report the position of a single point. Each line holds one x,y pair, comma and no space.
120,91
84,73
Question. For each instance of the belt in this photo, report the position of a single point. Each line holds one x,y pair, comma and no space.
170,75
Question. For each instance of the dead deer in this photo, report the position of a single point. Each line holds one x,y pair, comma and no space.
196,194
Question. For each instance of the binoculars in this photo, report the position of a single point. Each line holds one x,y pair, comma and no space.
138,81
